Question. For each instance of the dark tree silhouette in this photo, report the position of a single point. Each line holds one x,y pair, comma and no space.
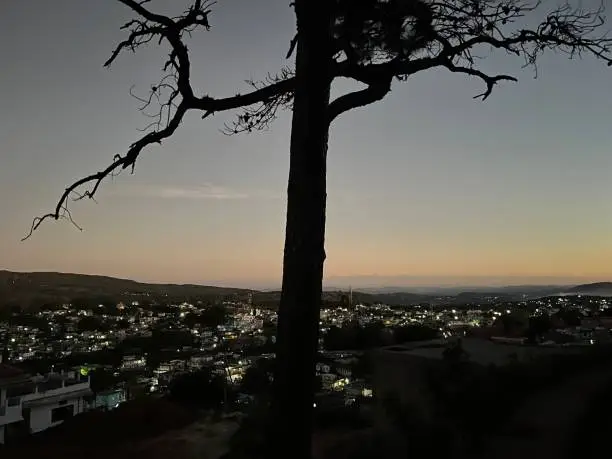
455,353
571,317
199,389
89,323
102,380
372,42
513,323
354,336
256,379
213,316
362,367
538,326
416,332
122,324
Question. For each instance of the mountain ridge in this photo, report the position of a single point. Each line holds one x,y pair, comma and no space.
35,288
593,289
32,288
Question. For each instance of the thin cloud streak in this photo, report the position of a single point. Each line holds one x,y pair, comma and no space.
206,192
201,192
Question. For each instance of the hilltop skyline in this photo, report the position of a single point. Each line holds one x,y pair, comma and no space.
428,183
372,282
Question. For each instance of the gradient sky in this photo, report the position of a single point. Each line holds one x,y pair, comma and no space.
428,183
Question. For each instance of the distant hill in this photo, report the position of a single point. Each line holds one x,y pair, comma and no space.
459,295
33,289
335,297
596,289
528,290
391,298
36,288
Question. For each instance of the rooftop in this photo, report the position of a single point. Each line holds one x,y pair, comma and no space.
9,372
480,351
10,376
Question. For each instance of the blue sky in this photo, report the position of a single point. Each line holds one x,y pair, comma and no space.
427,183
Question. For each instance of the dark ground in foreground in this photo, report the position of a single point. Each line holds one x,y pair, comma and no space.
569,421
550,424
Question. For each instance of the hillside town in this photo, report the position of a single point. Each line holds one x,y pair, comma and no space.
66,359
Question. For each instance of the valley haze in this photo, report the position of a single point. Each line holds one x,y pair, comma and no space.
35,288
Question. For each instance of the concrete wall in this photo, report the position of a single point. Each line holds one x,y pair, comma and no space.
40,416
63,390
9,414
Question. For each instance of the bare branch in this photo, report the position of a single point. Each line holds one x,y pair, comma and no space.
152,26
146,14
453,30
119,163
211,105
258,117
373,93
163,97
173,95
375,41
292,46
141,35
490,81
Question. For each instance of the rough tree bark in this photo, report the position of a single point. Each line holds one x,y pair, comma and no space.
304,254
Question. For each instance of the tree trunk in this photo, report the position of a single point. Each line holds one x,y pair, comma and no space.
304,255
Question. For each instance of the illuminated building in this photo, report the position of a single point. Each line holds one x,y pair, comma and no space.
30,404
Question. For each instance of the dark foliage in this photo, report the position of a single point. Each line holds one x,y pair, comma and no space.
340,417
369,30
101,380
592,426
90,323
353,336
415,332
200,390
538,325
257,379
356,337
213,316
476,401
571,317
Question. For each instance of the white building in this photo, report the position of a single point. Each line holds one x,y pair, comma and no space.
30,404
132,362
10,409
198,361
